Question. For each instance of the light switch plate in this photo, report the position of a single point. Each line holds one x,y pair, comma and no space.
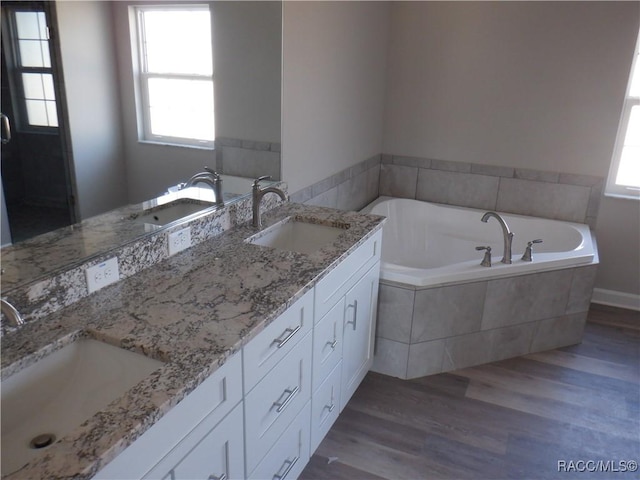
179,240
103,274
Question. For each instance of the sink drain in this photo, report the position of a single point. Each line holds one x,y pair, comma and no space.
42,441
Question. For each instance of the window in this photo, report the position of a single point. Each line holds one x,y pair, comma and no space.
30,62
175,74
624,175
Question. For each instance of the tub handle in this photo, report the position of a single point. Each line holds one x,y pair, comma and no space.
486,261
527,256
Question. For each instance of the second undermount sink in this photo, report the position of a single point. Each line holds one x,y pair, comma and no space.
50,398
170,212
296,236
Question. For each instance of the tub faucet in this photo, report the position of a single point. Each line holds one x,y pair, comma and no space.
506,234
258,193
211,178
12,314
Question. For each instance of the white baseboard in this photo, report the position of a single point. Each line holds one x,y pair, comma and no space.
616,299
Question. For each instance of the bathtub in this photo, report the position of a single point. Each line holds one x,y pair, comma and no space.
426,244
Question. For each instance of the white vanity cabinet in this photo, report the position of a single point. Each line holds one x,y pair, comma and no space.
266,410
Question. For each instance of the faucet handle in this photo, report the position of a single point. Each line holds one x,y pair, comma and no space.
259,179
486,261
537,240
212,172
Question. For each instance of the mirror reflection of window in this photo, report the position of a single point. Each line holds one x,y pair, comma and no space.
32,66
174,50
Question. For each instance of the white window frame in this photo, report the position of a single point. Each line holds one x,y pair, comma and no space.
143,77
612,188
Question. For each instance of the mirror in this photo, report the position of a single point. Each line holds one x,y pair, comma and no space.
110,167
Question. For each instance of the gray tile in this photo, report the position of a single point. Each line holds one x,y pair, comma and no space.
398,181
449,166
536,175
522,299
326,199
412,161
509,342
559,332
591,221
425,358
323,185
386,158
584,279
302,196
584,180
447,311
466,350
595,197
358,169
373,183
390,358
463,189
546,200
352,194
250,163
276,147
492,170
373,161
395,313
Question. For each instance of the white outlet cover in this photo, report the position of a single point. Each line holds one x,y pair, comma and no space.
103,274
179,240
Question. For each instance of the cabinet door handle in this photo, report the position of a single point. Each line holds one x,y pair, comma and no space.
282,405
281,343
330,407
214,477
6,126
333,344
290,464
355,313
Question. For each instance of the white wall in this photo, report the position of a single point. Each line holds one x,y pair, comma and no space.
333,64
521,84
88,59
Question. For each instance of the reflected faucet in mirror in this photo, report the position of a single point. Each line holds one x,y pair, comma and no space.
209,177
11,313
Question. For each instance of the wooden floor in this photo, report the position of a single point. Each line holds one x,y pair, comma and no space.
514,419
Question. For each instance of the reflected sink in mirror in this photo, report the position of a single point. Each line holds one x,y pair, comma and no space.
47,400
170,212
296,236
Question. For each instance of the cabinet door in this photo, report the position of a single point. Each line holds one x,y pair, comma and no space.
327,343
359,332
218,455
325,406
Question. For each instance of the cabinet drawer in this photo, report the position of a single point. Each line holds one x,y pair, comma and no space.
327,343
289,455
276,400
212,399
276,340
337,282
208,452
325,407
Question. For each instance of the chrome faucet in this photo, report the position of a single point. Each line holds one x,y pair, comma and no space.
211,178
12,314
258,193
506,235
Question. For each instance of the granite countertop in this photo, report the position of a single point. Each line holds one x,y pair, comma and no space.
191,311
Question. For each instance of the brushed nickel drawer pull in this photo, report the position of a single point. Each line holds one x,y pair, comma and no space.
281,343
355,313
330,407
282,405
333,344
289,467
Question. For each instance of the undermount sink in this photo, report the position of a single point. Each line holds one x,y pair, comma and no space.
296,236
47,400
170,212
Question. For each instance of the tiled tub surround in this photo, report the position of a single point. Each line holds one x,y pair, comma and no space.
554,195
432,330
192,310
57,276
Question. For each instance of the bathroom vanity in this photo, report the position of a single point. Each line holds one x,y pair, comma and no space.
262,348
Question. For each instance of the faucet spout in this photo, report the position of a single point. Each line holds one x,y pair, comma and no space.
11,313
257,194
507,235
211,178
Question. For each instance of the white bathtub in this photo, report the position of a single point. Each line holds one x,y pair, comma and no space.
426,244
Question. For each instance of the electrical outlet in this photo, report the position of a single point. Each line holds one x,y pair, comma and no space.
179,240
103,274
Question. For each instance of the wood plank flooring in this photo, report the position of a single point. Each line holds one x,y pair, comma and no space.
514,419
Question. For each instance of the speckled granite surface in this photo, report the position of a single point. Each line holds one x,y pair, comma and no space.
192,311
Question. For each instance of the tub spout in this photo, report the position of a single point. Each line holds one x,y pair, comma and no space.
507,236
